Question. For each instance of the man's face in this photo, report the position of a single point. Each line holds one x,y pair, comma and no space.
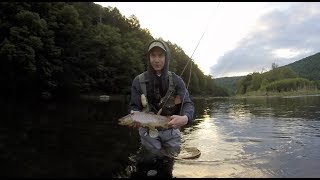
157,59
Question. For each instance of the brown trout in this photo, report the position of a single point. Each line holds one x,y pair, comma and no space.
148,120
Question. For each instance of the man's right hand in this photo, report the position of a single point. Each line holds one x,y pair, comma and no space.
134,124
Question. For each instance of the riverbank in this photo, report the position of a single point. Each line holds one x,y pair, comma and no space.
264,94
282,94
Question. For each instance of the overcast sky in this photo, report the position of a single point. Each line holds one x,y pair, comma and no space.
239,38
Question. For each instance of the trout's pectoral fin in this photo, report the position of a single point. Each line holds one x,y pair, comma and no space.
153,132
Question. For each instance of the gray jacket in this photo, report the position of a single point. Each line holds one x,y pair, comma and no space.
180,88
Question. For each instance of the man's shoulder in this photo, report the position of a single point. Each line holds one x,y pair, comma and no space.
175,76
144,72
142,77
139,75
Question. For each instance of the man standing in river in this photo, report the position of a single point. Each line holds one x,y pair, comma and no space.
166,95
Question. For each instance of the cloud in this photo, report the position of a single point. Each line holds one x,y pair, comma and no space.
281,36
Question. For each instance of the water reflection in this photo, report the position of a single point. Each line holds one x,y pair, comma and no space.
255,137
64,139
237,137
220,153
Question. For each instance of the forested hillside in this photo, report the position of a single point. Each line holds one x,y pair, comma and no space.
308,67
277,80
64,49
229,83
302,74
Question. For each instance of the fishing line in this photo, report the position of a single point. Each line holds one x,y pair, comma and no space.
198,43
190,67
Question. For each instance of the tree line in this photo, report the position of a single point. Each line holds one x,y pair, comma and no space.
63,49
277,80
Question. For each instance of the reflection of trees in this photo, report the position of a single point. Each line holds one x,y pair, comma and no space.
83,139
243,108
66,139
113,143
290,107
200,107
203,108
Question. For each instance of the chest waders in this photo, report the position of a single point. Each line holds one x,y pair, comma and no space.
142,81
153,133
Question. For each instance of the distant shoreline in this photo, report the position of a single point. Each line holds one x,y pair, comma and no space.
257,95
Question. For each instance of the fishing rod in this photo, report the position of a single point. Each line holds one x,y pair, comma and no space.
185,69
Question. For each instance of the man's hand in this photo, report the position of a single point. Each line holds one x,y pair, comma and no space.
178,121
135,124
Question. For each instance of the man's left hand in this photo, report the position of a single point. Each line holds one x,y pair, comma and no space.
178,121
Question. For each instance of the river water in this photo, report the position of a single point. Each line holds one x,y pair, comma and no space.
238,137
